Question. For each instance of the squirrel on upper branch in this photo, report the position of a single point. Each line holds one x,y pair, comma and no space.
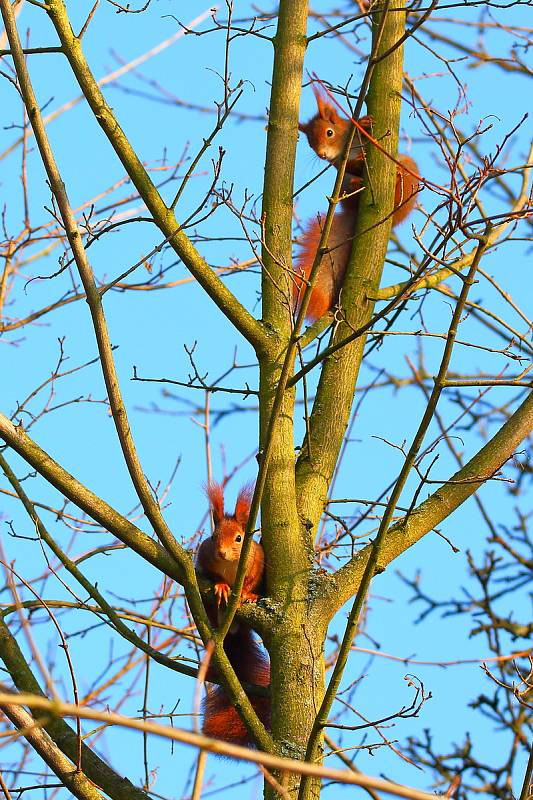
327,133
217,559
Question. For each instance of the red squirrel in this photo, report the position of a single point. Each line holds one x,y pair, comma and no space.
217,559
327,134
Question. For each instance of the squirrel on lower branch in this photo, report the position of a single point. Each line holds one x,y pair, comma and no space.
217,559
327,133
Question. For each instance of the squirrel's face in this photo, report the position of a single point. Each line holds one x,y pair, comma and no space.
228,537
326,137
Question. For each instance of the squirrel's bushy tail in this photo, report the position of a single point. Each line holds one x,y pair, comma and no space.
406,189
330,276
405,192
221,719
332,267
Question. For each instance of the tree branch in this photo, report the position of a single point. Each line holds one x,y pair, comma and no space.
377,545
520,207
88,501
117,787
132,536
335,392
73,779
94,299
92,590
72,46
163,216
440,504
222,748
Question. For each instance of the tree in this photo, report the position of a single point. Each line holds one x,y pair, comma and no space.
470,380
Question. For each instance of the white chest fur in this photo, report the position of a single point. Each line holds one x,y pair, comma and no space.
226,569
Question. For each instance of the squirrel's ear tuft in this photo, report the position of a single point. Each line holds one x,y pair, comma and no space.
242,506
322,102
302,127
215,494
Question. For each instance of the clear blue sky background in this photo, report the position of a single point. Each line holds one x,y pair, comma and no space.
150,330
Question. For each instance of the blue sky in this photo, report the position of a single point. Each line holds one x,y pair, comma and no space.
151,330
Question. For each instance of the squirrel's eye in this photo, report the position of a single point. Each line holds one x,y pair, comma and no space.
238,538
330,132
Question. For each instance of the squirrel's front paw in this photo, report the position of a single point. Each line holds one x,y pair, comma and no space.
222,591
249,597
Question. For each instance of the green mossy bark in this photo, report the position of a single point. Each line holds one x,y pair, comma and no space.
332,407
296,671
296,645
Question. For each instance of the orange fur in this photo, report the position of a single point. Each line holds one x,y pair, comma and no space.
215,494
242,506
330,274
221,719
327,134
406,189
218,558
